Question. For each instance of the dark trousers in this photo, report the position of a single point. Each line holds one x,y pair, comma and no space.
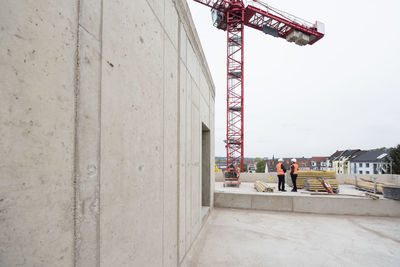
281,183
294,178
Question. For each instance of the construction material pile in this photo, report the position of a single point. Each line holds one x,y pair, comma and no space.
302,175
313,184
366,185
263,187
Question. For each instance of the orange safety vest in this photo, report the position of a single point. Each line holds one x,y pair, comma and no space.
296,168
279,169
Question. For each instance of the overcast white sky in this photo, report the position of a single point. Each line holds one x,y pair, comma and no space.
343,92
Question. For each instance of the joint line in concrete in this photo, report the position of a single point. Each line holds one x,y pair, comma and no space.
76,162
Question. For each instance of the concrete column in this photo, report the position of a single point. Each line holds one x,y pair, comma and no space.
87,138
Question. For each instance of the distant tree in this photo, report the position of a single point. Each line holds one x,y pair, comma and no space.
261,166
257,160
218,161
395,159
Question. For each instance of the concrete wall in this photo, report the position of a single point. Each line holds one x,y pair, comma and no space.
157,92
102,106
387,178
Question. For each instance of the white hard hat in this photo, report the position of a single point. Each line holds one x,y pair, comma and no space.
280,159
294,160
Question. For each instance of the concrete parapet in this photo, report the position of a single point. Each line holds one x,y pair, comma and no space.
387,178
309,204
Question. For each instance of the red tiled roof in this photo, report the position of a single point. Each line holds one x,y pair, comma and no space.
319,159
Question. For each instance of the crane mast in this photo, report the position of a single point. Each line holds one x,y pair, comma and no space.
235,85
231,16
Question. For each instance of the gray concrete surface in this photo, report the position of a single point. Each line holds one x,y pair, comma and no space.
246,197
260,238
102,107
37,131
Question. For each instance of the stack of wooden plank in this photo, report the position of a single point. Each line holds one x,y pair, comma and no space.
313,184
302,175
367,185
263,187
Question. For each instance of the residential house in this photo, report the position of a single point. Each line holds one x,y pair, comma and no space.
304,164
341,163
329,160
251,167
318,163
371,162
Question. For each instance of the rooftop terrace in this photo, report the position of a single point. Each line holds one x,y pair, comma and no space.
239,237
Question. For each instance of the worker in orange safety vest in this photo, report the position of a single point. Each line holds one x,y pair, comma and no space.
280,171
293,173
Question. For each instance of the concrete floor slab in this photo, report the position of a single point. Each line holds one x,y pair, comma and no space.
234,237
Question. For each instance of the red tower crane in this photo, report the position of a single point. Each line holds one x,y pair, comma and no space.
231,16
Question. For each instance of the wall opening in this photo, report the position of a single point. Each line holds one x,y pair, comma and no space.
205,166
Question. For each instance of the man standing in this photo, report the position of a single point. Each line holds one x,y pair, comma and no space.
293,173
280,171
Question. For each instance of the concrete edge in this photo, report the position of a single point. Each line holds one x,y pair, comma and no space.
186,16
